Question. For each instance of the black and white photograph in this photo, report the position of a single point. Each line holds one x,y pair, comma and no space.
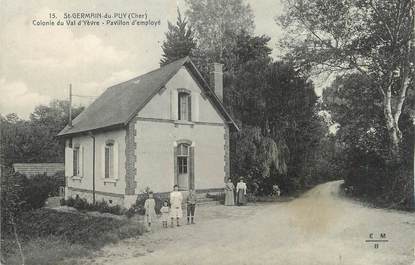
207,132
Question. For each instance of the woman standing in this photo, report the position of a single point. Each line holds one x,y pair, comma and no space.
241,192
229,196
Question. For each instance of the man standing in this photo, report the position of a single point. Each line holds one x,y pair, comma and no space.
176,199
191,205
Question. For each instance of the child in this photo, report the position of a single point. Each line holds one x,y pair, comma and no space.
191,205
149,206
176,199
165,211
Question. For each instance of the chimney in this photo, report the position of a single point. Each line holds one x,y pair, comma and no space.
217,80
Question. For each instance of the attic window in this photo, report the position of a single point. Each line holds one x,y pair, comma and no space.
184,106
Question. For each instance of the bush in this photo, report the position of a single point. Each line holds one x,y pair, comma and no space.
19,194
100,206
74,227
49,236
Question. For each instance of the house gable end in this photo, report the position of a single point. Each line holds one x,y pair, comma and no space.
164,105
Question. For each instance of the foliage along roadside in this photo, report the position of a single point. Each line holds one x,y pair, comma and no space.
79,233
283,140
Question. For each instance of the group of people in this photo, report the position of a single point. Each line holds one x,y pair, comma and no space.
240,193
174,212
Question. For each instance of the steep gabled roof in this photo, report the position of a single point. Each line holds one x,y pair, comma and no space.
121,102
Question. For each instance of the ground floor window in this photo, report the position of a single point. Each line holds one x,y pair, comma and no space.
109,160
76,163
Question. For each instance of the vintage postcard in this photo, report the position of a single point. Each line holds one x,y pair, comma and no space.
207,132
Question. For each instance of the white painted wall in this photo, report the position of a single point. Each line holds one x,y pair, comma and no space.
155,154
156,136
86,142
155,140
162,105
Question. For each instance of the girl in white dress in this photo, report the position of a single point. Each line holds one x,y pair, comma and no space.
150,208
165,212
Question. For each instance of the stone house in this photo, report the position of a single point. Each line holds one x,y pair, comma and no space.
162,128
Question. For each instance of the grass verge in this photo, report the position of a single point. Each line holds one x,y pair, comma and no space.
49,236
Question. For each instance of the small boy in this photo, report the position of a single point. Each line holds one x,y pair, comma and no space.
191,205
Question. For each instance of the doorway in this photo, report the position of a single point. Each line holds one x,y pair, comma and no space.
183,166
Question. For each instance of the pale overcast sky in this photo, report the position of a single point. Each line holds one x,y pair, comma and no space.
38,63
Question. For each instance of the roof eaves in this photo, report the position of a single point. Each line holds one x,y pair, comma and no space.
105,128
212,94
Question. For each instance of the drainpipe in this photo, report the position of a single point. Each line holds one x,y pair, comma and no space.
93,167
412,115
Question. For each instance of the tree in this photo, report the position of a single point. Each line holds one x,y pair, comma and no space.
216,23
11,194
292,114
35,140
281,131
273,105
364,159
373,38
258,158
179,41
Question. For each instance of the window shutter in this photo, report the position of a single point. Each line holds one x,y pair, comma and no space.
68,162
174,104
81,162
189,107
175,165
191,167
195,107
107,162
111,161
115,152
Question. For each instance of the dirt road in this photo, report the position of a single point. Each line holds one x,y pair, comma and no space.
318,228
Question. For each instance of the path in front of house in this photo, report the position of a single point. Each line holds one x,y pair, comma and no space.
317,228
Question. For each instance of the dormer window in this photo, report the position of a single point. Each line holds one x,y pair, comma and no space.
184,106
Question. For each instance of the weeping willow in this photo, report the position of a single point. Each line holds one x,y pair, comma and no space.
273,155
261,154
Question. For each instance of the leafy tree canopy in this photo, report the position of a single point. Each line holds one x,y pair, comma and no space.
34,140
373,38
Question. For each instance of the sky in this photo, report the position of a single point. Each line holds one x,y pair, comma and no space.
39,62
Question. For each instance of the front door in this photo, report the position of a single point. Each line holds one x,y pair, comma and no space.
183,167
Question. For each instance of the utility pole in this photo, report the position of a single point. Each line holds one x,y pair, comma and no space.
412,114
412,111
70,106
